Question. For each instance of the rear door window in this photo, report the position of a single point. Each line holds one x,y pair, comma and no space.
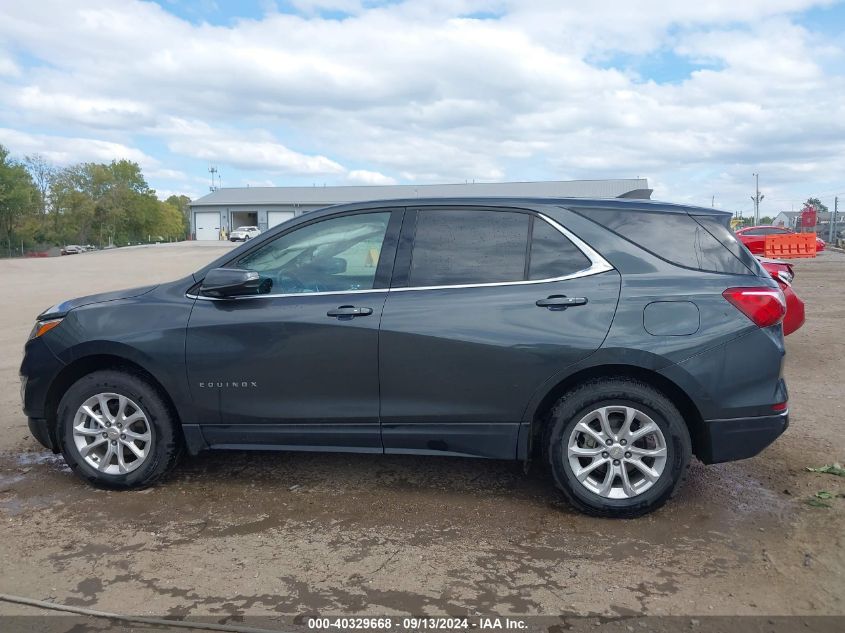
468,246
552,254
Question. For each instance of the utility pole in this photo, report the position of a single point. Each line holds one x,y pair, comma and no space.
758,198
833,220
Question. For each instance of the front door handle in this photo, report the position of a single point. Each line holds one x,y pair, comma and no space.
349,312
561,302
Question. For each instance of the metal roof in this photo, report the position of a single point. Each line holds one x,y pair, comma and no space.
233,196
653,206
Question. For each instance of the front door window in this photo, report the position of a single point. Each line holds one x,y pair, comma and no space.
335,255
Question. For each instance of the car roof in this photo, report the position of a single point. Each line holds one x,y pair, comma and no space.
626,204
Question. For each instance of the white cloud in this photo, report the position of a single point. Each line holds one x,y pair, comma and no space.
75,108
422,92
166,174
8,67
243,149
313,7
365,177
65,150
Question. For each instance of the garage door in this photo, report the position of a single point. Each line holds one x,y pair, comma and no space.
277,217
207,225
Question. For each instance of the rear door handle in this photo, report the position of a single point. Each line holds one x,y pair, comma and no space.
349,312
561,302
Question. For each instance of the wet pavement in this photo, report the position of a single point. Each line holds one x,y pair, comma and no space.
251,534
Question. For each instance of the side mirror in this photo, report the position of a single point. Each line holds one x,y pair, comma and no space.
231,282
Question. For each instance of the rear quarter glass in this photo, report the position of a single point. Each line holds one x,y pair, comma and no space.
674,237
727,238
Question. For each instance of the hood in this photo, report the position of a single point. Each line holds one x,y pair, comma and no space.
61,309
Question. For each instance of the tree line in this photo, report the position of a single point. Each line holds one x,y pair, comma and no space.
42,205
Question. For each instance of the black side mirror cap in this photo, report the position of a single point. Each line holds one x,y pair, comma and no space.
232,282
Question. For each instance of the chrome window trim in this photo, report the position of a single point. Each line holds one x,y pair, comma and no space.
290,294
598,264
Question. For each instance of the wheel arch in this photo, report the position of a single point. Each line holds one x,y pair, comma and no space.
540,416
85,365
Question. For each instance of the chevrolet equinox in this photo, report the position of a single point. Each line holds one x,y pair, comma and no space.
610,339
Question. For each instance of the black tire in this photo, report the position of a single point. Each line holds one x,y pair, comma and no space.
166,441
579,402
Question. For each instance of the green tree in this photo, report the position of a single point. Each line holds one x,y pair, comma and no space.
16,194
42,173
182,203
71,208
816,204
171,221
85,203
126,209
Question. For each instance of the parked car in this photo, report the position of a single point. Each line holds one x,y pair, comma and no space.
244,233
783,273
609,339
754,237
72,249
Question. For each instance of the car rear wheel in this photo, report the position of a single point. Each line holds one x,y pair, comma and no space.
116,431
617,447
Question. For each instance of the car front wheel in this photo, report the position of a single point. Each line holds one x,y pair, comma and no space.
116,431
617,447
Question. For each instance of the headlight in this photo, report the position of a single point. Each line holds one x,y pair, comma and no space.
42,327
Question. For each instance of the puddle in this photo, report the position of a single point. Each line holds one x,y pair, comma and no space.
43,457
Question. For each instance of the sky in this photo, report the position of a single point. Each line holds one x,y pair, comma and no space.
695,96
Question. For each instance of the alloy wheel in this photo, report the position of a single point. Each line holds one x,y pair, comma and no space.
112,433
617,452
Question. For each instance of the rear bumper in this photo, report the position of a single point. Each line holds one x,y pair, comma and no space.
739,438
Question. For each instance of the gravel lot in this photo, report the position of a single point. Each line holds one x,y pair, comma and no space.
234,534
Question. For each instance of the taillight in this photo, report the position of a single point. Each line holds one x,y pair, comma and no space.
764,306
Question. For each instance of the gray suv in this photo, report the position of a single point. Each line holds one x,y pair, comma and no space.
609,339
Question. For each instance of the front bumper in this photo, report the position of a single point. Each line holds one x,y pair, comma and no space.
38,371
41,431
739,438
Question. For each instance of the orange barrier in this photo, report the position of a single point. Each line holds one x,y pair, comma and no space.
790,246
